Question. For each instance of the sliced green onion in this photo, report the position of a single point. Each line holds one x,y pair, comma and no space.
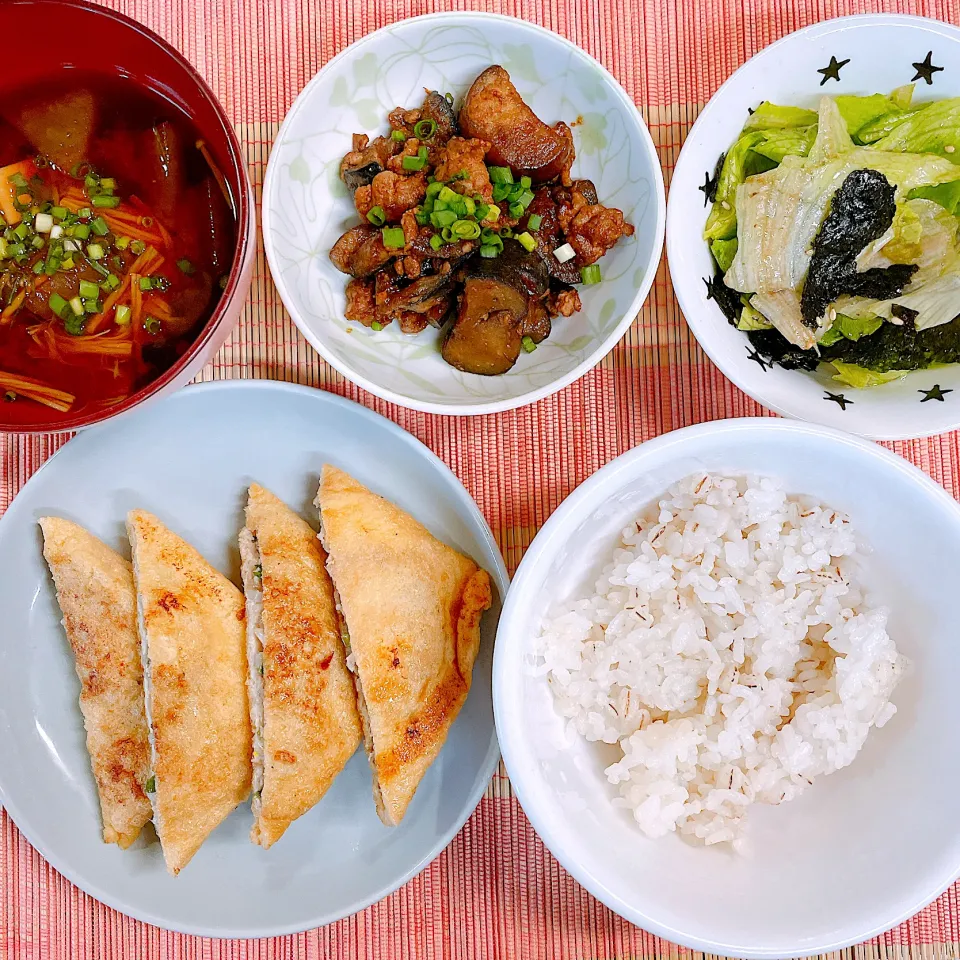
146,283
448,235
121,243
76,305
59,213
528,345
136,246
37,242
95,251
481,210
492,215
506,233
74,325
99,226
526,183
425,129
434,188
447,195
466,229
501,191
67,263
413,163
102,200
377,216
18,180
151,785
93,306
15,250
591,274
526,241
108,184
376,325
436,241
122,315
422,153
151,325
21,231
564,253
111,283
500,175
422,218
84,212
57,304
442,218
525,199
393,238
469,205
43,222
398,135
81,231
38,267
534,221
88,290
489,251
186,267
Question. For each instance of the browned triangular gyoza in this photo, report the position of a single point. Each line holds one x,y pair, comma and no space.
193,631
302,697
411,608
97,599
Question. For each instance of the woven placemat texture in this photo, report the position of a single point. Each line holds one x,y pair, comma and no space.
495,892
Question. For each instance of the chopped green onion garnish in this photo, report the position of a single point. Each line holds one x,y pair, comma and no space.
18,180
376,325
111,283
57,304
67,263
76,305
413,163
123,315
95,251
258,571
84,212
422,152
151,325
500,191
525,199
527,242
481,210
37,243
434,188
466,229
534,221
447,195
136,246
448,235
108,184
151,785
186,266
102,200
436,241
43,222
399,136
506,233
393,237
22,230
500,175
526,183
469,206
88,290
425,129
121,243
377,216
421,217
58,213
516,209
528,345
74,325
489,251
146,283
492,215
442,218
38,267
99,226
15,250
80,230
591,274
92,306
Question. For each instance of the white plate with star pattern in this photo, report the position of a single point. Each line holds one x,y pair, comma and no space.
858,55
306,207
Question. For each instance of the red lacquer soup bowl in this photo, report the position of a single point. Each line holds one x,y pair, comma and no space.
127,219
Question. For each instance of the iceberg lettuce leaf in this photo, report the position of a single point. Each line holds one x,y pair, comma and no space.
771,116
857,112
723,252
860,377
934,128
946,194
794,142
722,220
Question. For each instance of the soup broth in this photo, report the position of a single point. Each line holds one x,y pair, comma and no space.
116,239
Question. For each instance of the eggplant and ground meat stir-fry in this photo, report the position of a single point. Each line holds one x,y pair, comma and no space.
472,216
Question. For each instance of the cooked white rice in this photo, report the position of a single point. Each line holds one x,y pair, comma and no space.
729,650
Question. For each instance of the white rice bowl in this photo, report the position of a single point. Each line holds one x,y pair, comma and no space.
730,651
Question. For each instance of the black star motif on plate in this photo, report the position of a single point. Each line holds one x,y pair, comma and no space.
709,188
936,392
757,358
832,70
925,69
838,398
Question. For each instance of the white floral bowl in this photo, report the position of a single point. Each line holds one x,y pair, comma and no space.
306,207
876,54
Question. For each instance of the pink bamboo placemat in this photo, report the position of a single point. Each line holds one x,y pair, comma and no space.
495,891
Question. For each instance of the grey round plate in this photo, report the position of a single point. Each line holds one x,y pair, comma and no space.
189,459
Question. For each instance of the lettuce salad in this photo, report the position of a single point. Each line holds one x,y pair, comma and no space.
835,235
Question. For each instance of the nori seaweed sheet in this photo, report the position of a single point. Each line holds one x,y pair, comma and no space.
861,211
